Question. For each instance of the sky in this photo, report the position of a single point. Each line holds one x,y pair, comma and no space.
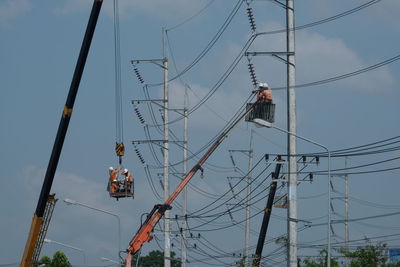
40,42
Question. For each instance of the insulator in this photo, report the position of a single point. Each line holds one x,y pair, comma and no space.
266,157
139,155
311,177
317,159
231,187
230,214
162,116
139,115
162,185
251,19
140,78
304,159
252,74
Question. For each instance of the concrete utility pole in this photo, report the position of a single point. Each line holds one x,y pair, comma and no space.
291,126
184,195
167,226
346,212
248,197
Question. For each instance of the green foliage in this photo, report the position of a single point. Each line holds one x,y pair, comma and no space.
156,259
44,260
241,262
320,261
59,260
364,256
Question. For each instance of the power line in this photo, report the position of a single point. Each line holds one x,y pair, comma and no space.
344,76
315,23
191,17
208,47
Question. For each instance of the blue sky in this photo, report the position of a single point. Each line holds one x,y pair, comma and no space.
39,46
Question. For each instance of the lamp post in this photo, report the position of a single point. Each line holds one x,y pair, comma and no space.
270,125
73,202
67,246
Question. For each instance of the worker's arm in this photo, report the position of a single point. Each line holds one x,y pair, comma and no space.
115,172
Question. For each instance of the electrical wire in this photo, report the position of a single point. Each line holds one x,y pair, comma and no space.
315,23
192,17
208,47
344,76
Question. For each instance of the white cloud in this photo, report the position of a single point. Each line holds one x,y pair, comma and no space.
10,9
319,57
212,114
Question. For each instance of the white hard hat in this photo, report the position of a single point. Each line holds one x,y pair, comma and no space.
263,85
125,171
111,168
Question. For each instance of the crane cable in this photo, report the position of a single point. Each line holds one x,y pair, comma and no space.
119,145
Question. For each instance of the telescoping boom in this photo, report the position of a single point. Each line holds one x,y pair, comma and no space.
37,221
144,233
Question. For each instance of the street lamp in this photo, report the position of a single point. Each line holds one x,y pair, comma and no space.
106,259
68,246
270,125
73,202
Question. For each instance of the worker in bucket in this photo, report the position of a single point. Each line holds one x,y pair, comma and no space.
127,182
264,93
113,179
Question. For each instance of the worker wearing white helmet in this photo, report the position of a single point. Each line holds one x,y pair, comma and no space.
264,93
127,182
113,179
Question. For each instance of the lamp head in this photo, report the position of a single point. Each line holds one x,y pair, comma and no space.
69,201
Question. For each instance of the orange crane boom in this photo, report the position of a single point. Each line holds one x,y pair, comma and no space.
144,233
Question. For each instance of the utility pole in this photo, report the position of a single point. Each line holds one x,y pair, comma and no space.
291,130
346,211
184,195
167,226
248,198
291,124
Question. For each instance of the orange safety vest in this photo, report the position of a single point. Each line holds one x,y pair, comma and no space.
265,95
128,177
113,175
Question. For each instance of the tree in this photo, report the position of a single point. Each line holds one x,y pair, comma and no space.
59,260
367,256
44,260
320,261
155,258
364,256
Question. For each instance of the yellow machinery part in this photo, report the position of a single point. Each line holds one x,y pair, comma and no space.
120,149
31,241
